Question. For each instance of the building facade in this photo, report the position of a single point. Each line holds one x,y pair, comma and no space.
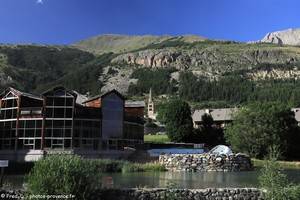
32,126
221,116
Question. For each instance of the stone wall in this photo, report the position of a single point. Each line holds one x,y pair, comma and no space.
182,194
163,194
206,162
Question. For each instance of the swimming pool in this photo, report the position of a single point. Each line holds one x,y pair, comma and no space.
157,152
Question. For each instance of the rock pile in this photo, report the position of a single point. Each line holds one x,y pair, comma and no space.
206,162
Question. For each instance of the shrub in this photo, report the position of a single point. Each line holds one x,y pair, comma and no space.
275,182
153,167
107,165
63,175
131,167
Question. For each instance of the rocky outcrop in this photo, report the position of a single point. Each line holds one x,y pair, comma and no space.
284,37
273,74
210,60
186,194
206,162
115,77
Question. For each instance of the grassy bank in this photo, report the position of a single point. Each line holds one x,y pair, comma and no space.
282,164
156,138
107,165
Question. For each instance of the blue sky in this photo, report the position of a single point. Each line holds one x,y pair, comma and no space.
67,21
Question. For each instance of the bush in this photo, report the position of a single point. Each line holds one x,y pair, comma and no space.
275,182
107,165
147,167
63,175
70,174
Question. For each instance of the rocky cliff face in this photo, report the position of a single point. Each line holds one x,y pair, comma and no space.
211,59
284,37
274,74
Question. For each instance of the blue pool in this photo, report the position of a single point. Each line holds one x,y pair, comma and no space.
157,152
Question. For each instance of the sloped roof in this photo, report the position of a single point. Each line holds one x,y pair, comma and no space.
197,116
105,94
19,93
222,114
134,104
59,88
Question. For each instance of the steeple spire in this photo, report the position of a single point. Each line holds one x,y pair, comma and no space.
150,95
151,111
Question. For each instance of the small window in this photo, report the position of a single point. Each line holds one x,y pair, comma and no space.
58,142
38,133
67,143
67,132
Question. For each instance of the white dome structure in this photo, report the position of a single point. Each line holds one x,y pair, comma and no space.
221,149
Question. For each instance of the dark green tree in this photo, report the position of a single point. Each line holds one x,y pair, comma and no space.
179,123
208,132
259,126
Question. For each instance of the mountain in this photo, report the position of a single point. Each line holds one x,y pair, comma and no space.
124,43
196,69
284,37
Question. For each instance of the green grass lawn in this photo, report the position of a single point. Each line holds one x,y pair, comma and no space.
282,164
156,138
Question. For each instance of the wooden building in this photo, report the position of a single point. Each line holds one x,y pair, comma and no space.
32,126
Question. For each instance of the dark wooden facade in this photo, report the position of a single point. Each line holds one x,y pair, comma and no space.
55,121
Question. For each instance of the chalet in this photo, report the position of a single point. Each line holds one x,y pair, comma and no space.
32,126
223,116
220,116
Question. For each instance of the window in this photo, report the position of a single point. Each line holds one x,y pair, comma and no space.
29,133
49,112
59,112
49,101
67,143
59,102
21,132
38,144
58,133
69,101
30,124
57,141
68,133
38,133
68,123
58,123
48,133
69,112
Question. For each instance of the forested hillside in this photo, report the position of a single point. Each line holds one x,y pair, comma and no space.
36,68
197,70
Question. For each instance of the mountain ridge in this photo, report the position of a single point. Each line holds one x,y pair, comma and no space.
289,36
153,61
118,43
